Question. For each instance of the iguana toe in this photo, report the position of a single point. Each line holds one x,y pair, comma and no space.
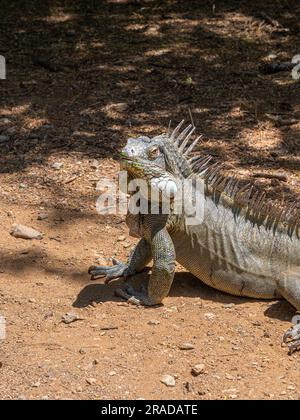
134,297
109,272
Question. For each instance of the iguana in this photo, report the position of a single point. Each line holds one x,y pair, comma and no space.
244,245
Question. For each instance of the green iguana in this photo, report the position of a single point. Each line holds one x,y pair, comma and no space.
244,245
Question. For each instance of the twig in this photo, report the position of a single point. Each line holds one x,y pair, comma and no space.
281,177
68,181
191,117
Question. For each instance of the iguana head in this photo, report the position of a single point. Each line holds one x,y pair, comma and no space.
161,160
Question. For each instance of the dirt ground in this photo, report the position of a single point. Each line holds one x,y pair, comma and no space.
81,78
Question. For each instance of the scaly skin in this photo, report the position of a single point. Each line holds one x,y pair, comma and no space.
225,249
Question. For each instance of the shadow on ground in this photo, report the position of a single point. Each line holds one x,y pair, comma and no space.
82,76
184,285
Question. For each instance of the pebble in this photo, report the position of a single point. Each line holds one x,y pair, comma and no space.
70,317
119,107
168,380
228,305
198,369
112,373
121,238
154,322
57,165
186,346
91,381
209,316
25,232
4,121
95,164
36,385
42,216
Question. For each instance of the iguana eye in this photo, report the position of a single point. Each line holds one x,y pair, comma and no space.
153,152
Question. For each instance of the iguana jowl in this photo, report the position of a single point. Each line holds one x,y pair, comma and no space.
244,245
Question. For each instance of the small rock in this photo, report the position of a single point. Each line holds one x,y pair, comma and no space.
70,317
121,238
168,380
118,107
48,315
271,56
228,305
36,385
112,373
95,164
186,346
187,386
57,165
25,232
198,369
209,316
153,322
32,300
42,216
4,121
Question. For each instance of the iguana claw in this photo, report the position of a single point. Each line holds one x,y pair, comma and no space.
292,338
134,297
119,269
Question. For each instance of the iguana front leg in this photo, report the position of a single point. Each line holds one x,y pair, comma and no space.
139,258
163,254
